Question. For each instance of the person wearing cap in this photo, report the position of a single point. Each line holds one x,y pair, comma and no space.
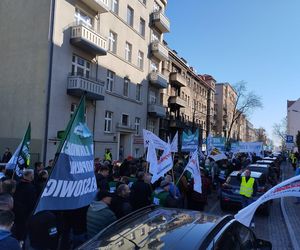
99,215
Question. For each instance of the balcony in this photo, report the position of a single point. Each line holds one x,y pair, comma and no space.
160,21
156,110
125,128
159,51
176,123
100,6
79,85
177,79
158,80
176,101
88,40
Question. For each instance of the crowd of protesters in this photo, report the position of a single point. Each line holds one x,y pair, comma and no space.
123,187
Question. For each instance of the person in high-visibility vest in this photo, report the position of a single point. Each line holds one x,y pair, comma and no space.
108,155
248,187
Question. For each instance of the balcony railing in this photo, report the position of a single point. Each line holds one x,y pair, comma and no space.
160,21
159,51
156,110
177,79
177,101
88,40
125,128
100,6
158,80
79,85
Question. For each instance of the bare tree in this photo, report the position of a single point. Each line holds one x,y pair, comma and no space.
280,130
246,102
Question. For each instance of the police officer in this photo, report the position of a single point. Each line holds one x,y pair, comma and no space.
108,155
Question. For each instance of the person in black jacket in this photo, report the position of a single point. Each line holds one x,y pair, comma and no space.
120,204
102,178
25,198
6,156
140,192
43,231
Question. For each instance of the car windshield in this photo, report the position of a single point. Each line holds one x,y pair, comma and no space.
158,229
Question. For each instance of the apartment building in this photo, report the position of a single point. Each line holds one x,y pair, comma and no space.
293,117
250,132
225,101
242,128
107,49
188,98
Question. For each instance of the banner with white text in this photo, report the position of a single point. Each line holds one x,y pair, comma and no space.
72,183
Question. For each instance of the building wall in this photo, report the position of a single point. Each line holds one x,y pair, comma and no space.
293,118
23,71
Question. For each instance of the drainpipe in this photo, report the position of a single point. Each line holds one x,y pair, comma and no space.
51,47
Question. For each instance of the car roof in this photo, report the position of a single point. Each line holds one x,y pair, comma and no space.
158,228
264,161
259,165
254,174
269,158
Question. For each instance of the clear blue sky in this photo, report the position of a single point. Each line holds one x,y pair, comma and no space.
257,41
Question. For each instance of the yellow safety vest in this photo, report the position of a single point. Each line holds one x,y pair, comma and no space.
107,157
246,188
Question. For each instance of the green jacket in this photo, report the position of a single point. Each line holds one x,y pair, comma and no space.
159,197
98,217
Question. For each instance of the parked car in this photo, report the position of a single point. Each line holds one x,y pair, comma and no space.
267,170
230,192
275,165
162,228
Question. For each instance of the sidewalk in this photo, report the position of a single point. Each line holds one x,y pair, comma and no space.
292,210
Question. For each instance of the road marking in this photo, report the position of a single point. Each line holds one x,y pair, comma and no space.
288,223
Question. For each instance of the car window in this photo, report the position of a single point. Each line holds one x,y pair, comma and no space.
262,180
232,180
246,237
228,240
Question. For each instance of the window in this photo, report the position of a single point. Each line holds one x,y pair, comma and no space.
155,36
108,121
151,125
142,27
140,60
125,120
137,152
80,66
137,123
130,15
112,42
156,7
115,6
128,52
153,66
138,93
152,97
83,18
126,87
110,80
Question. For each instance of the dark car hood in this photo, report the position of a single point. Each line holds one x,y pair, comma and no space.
159,229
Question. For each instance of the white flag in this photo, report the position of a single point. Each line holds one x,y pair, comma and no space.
157,142
209,144
290,187
152,158
164,164
174,144
193,168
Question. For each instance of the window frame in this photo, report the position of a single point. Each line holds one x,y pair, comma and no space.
137,125
128,123
108,121
141,60
126,90
128,52
112,41
110,80
130,16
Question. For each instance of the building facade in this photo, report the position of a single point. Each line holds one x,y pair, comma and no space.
225,106
188,98
107,49
293,117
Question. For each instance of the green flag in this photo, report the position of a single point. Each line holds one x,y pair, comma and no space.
72,183
21,157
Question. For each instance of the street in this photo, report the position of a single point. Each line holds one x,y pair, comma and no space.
281,230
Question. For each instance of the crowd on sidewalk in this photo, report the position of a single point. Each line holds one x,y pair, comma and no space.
123,187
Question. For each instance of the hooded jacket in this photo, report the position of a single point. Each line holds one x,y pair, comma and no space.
99,216
7,241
